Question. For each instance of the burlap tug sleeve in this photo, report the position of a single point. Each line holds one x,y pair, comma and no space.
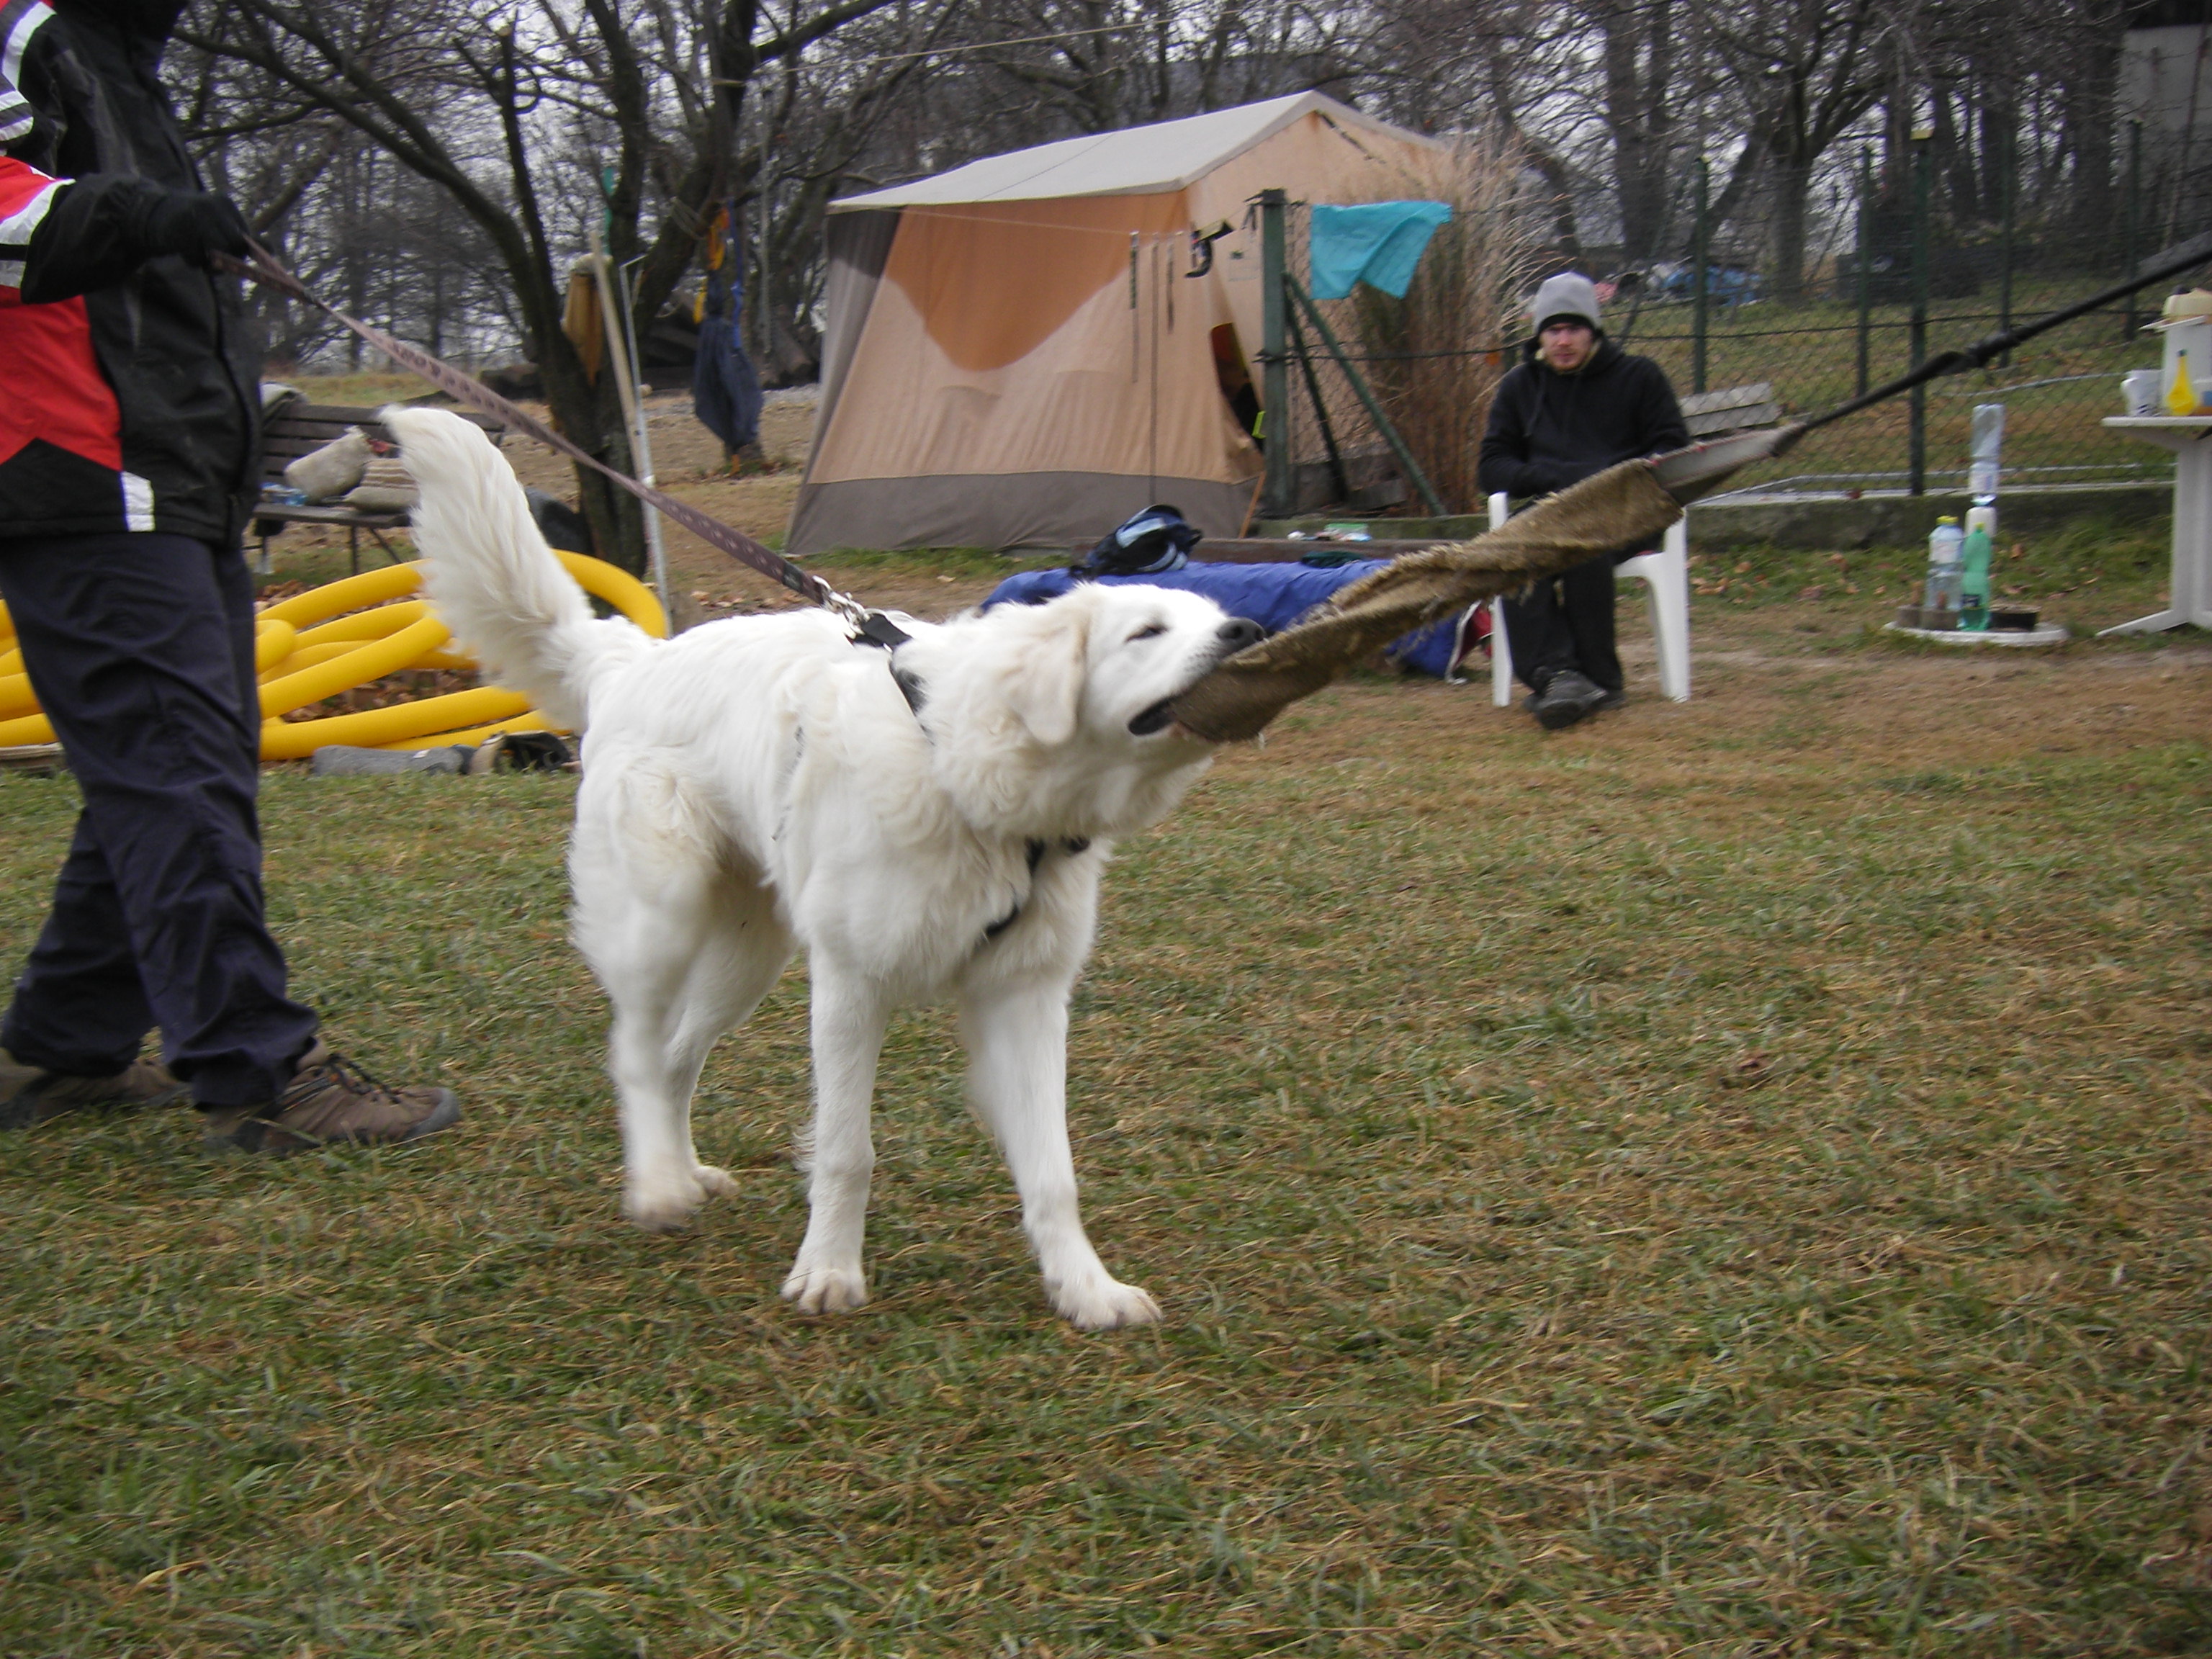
1623,507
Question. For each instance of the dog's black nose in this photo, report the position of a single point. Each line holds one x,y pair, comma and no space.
1238,632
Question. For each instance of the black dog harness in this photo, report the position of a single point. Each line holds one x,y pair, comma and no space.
1038,849
880,631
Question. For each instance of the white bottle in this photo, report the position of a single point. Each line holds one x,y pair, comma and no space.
1983,448
1947,573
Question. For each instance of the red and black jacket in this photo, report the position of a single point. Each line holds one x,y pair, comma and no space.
128,395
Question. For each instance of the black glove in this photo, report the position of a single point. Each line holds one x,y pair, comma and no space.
196,223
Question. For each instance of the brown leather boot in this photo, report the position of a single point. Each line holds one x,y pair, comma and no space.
29,1095
331,1102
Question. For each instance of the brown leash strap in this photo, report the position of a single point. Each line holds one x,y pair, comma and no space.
263,267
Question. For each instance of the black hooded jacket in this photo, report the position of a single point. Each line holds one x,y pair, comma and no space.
1548,430
132,399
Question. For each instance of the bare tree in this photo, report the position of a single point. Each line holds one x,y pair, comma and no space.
1639,60
1807,70
507,109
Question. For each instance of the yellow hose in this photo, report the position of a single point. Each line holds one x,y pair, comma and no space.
336,598
272,642
17,696
427,724
319,643
619,588
383,620
371,661
533,721
307,656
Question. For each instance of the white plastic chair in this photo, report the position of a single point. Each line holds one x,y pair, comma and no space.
1666,574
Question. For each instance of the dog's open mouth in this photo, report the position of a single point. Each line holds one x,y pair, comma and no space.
1158,717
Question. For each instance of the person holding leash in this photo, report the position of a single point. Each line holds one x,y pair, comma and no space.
129,462
1575,405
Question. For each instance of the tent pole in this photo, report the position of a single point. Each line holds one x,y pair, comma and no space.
1275,364
1414,476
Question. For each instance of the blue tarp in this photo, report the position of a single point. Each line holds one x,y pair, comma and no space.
1378,243
1272,595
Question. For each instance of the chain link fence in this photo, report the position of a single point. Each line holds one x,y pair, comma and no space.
1894,285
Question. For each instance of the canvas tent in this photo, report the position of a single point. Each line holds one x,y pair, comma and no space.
1016,352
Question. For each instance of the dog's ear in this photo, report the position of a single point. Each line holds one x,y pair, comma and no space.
1044,682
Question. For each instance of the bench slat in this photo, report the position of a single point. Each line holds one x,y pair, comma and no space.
1716,423
1733,397
361,517
298,428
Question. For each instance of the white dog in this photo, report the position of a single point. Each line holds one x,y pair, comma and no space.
762,784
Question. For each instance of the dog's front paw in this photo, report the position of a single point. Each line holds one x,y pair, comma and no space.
1105,1304
819,1290
665,1204
715,1182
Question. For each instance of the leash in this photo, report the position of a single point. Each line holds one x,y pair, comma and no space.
869,627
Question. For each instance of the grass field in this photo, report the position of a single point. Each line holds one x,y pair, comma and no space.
1729,1179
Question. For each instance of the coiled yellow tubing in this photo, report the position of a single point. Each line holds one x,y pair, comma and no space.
317,644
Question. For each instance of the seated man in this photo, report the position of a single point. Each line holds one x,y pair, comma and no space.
1575,405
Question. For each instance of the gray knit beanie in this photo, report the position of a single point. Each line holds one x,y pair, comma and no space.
1569,294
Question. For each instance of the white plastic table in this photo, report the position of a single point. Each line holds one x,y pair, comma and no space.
2190,441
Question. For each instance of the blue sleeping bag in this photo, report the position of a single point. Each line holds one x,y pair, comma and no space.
1274,595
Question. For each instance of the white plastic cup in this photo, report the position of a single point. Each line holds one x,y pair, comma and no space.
2139,391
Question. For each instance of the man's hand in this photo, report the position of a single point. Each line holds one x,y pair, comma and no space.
195,224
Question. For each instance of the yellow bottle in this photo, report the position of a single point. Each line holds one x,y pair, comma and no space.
2181,396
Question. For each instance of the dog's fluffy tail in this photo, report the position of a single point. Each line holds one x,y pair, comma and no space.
492,579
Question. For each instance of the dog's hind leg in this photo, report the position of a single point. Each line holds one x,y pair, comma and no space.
1017,1042
683,952
848,1016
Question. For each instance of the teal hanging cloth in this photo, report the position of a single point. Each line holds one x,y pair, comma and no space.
1378,243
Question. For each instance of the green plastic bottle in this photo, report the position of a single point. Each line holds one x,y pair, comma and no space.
1974,583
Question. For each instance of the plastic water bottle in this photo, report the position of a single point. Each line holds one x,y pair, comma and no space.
1974,582
1945,572
1984,447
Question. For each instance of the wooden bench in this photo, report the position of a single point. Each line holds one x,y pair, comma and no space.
1735,409
296,428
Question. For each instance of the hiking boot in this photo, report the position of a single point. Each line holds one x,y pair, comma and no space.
29,1095
331,1102
1567,696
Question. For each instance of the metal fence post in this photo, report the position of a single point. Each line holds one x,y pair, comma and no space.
1866,265
1700,280
1275,358
2007,195
2131,223
1917,464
